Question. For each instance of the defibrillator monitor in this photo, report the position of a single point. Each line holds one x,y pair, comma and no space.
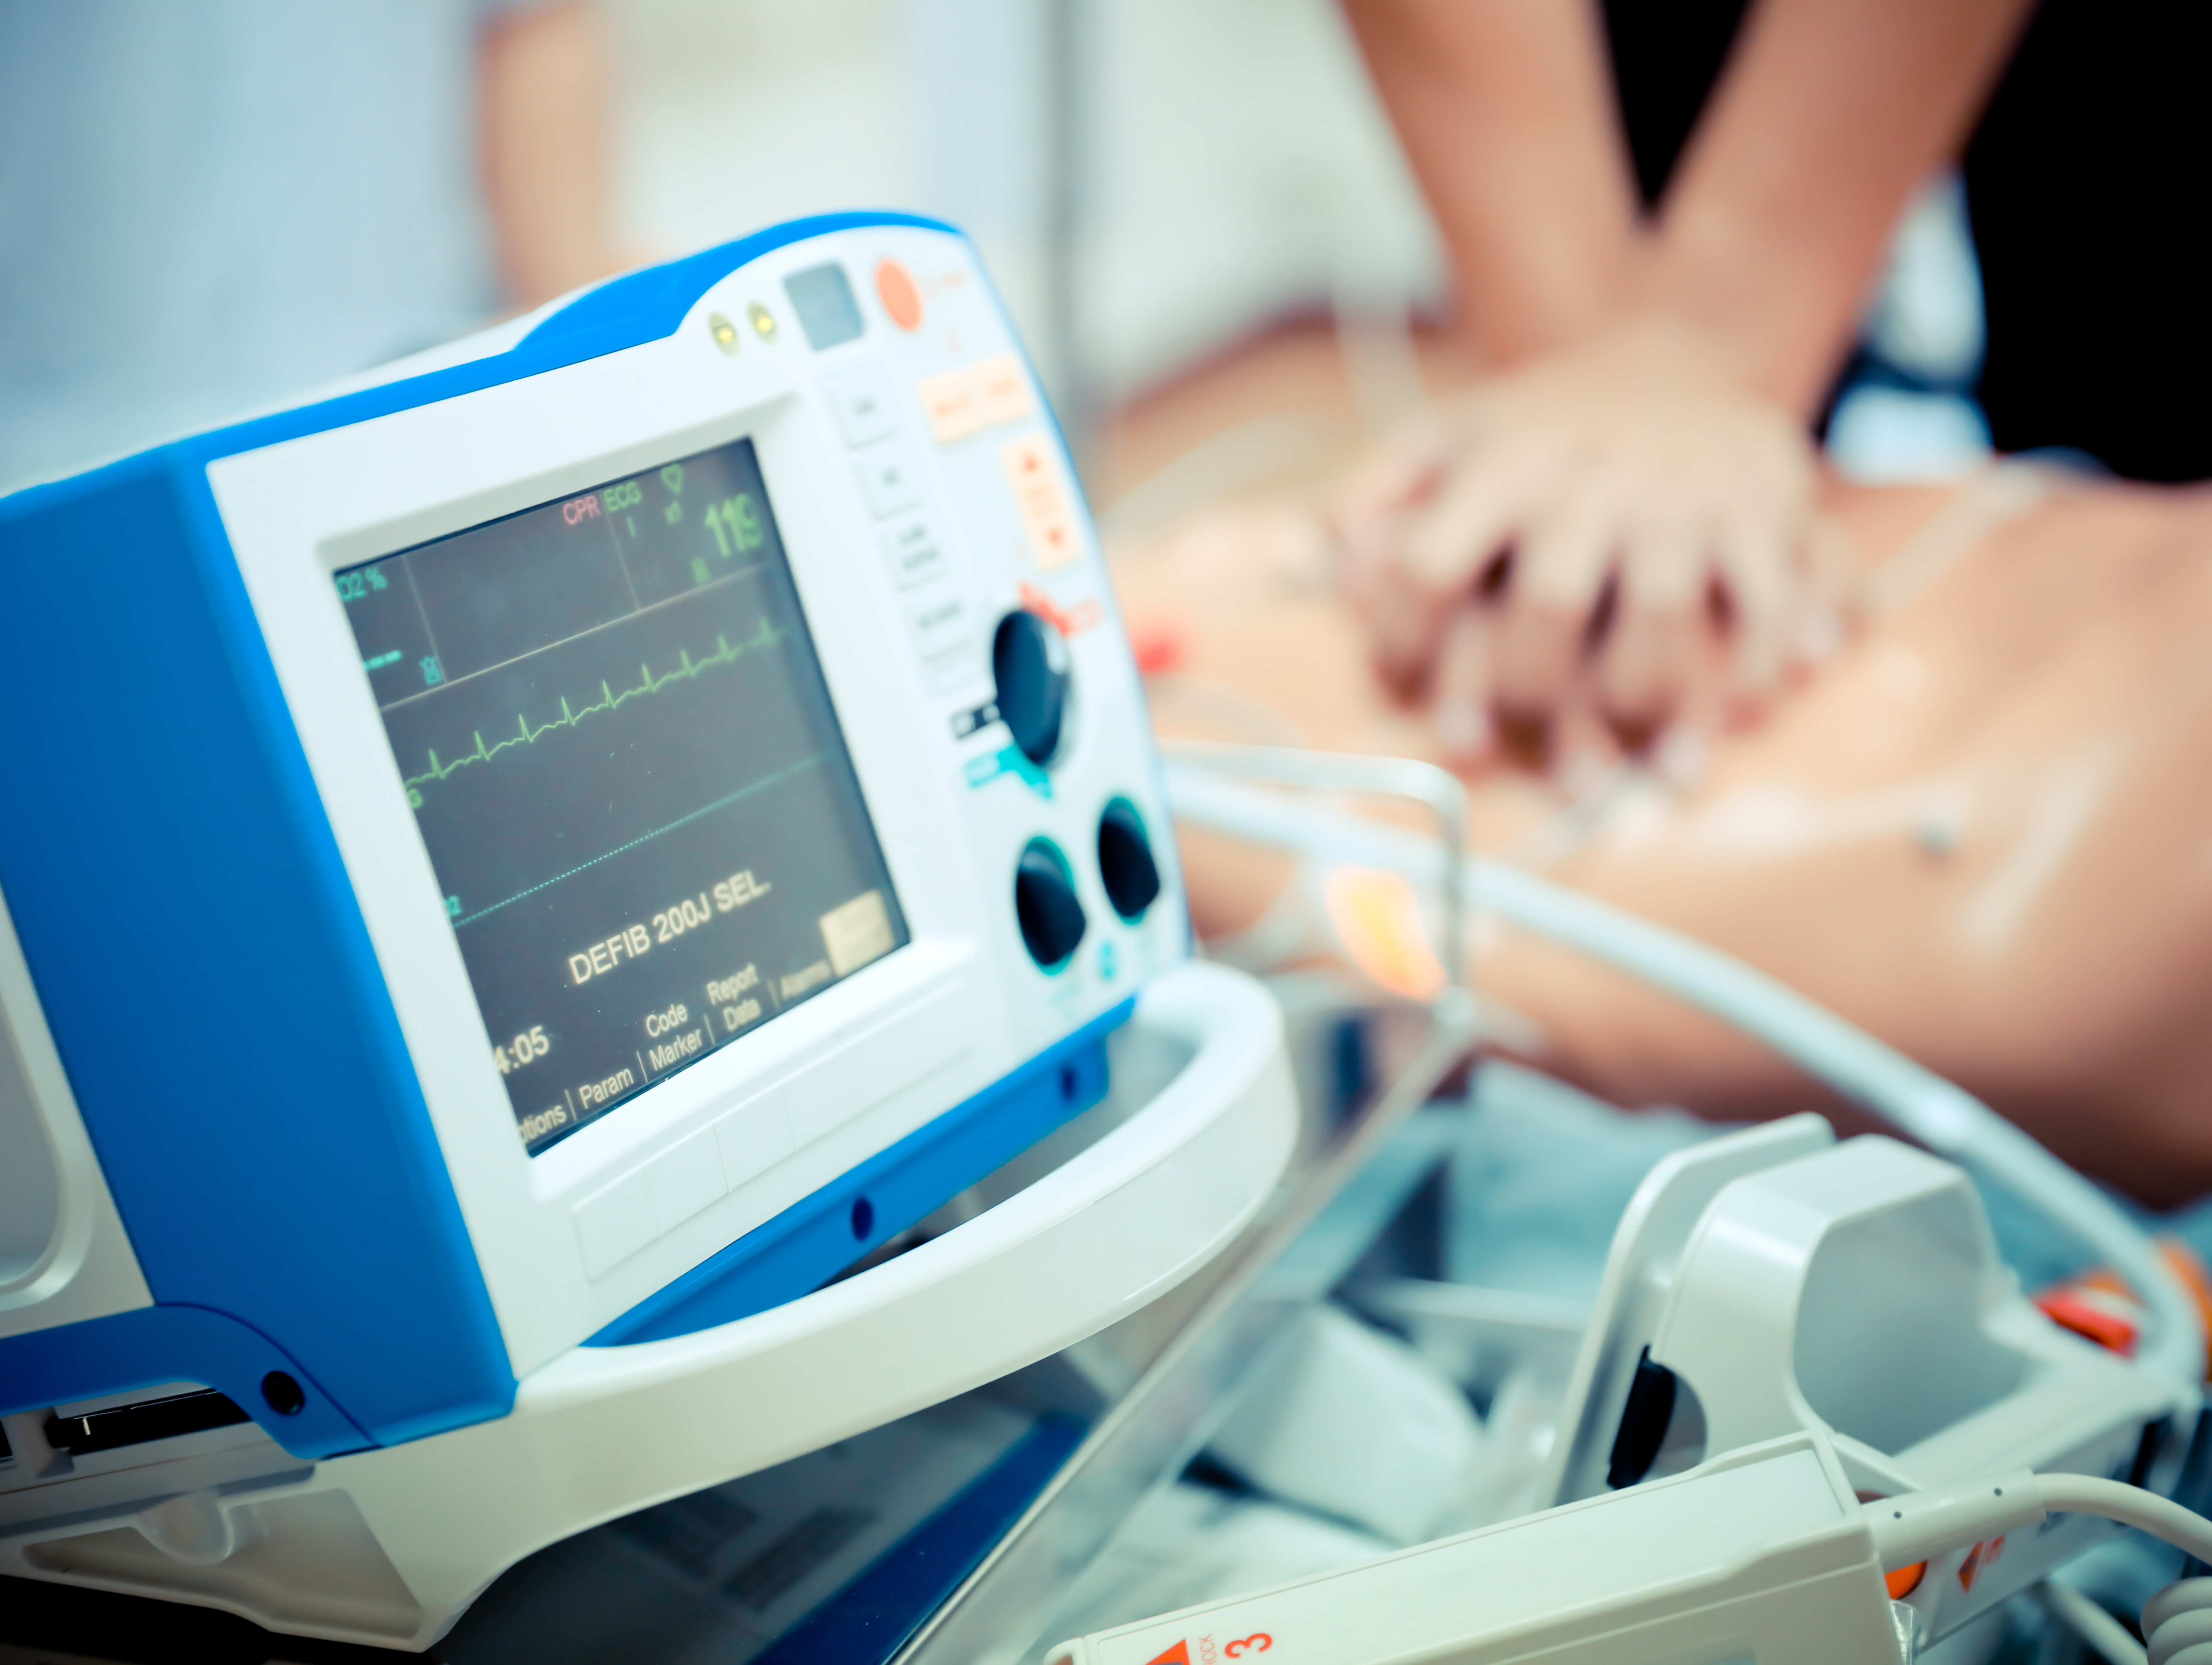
569,841
591,799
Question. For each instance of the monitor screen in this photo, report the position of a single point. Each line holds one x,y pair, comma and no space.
621,756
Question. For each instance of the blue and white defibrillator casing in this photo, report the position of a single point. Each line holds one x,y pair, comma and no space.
568,843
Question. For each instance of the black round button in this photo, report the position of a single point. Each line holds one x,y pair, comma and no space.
1125,860
285,1396
1045,905
1029,658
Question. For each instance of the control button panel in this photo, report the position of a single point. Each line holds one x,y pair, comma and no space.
1002,390
937,614
912,552
1046,907
1042,500
894,288
949,402
1029,662
861,406
888,478
967,400
1126,867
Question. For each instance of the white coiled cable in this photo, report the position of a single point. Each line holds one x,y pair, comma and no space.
2177,1622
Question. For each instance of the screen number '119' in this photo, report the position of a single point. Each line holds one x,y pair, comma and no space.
736,525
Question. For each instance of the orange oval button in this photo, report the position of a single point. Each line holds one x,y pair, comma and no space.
1906,1580
895,288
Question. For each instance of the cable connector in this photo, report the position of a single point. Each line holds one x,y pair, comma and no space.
1922,1525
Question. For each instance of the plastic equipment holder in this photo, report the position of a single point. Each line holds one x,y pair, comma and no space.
389,1546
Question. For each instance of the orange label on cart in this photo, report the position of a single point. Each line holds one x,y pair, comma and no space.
1979,1560
1178,1655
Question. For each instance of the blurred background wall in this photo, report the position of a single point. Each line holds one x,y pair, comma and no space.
1150,179
1158,186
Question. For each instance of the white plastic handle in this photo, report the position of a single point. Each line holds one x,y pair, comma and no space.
602,1431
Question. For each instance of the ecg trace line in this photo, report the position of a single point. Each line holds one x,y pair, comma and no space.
811,760
451,683
768,636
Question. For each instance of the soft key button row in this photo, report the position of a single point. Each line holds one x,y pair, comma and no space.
614,1224
685,1179
754,1136
959,403
696,1172
878,1061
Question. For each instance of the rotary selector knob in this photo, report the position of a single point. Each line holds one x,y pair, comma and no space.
1045,906
1028,659
1126,867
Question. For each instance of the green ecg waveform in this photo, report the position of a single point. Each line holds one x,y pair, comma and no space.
767,636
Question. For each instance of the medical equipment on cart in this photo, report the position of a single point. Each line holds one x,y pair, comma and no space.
1808,1382
1763,1554
1789,1328
524,869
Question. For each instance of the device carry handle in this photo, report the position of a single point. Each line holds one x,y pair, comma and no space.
603,1431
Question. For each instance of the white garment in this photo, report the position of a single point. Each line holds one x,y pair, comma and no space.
207,205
